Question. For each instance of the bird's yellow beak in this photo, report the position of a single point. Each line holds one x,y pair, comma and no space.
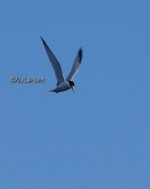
72,89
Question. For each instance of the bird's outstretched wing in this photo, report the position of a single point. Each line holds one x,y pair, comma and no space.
75,66
56,65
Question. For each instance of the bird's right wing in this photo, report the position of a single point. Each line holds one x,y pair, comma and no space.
75,66
56,65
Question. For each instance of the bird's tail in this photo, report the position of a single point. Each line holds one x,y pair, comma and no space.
52,90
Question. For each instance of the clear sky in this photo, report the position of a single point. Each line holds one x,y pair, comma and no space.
97,138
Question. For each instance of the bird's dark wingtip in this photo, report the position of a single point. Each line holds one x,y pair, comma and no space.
44,43
80,54
42,39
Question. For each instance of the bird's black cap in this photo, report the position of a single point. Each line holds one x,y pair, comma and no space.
71,83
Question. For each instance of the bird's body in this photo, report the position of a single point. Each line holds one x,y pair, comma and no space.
62,84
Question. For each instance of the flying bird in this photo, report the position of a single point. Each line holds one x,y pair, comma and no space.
62,84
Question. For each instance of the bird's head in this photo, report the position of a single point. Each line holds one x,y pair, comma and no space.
71,83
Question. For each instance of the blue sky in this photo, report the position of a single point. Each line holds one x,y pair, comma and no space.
97,138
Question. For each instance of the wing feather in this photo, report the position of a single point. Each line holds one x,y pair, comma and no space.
75,66
56,65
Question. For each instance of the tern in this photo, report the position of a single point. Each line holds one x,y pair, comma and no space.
62,84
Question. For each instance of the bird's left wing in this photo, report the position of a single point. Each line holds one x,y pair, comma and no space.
56,65
75,66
